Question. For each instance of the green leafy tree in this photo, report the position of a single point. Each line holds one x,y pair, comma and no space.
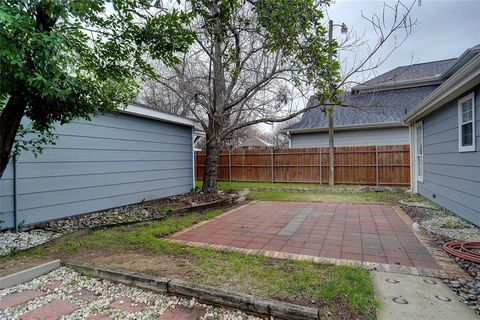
67,59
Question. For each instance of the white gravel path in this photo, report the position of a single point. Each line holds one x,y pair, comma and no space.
156,304
17,241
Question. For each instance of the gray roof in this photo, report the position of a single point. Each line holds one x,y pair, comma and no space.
427,70
368,104
382,107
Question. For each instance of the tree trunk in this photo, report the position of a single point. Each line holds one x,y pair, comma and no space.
9,124
217,116
331,149
211,166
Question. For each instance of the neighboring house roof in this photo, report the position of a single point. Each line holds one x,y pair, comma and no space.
386,99
364,109
254,142
466,78
414,72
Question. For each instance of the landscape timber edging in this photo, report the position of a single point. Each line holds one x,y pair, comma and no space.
202,293
29,274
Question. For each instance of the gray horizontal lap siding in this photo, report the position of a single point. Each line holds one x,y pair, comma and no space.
113,160
452,176
364,137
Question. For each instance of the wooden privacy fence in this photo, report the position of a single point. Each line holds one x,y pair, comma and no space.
367,165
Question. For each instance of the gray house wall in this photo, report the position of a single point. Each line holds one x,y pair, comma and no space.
451,178
113,160
365,137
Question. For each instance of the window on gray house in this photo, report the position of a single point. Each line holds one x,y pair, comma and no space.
466,124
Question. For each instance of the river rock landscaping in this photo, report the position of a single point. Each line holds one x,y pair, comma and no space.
69,295
17,241
443,226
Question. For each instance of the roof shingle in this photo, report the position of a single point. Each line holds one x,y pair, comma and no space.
366,108
427,70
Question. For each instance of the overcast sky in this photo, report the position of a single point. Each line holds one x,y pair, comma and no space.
444,29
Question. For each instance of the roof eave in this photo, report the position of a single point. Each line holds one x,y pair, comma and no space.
144,112
464,58
399,85
463,80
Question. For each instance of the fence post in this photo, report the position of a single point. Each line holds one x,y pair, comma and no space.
321,166
273,176
230,165
376,165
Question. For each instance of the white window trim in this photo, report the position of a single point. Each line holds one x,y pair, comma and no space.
461,148
418,175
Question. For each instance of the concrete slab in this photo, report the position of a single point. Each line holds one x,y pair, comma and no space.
415,297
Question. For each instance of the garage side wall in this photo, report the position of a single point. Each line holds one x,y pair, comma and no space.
111,161
451,178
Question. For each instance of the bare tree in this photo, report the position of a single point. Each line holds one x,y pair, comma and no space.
251,60
248,67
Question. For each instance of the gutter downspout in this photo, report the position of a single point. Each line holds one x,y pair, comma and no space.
15,194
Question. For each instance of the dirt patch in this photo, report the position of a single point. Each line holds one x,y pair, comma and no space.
20,263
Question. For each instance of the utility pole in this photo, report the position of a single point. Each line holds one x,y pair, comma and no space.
329,113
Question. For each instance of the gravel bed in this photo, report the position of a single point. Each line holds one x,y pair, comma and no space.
197,198
151,210
443,227
453,227
16,241
107,292
121,215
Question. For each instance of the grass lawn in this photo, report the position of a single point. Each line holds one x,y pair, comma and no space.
329,197
343,291
238,185
370,197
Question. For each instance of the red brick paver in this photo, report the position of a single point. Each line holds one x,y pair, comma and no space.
52,285
99,317
85,295
19,298
183,313
50,311
371,233
127,305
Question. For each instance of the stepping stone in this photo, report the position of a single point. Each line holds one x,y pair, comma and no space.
183,313
85,295
126,304
16,299
50,311
52,285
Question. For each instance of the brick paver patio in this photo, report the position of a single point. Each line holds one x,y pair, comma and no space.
371,233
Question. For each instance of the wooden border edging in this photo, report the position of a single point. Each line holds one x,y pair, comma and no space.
202,293
28,274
